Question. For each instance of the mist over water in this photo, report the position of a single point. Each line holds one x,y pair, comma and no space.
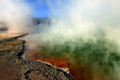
85,31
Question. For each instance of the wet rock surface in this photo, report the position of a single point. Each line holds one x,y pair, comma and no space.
14,65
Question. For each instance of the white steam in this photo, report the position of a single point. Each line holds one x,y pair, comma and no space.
16,14
82,18
90,29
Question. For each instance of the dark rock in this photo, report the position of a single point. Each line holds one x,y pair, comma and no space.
22,68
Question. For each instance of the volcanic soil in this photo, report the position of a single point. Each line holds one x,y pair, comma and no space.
15,66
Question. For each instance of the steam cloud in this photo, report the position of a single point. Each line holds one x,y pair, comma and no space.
85,31
16,15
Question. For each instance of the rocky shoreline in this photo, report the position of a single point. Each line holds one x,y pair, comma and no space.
14,65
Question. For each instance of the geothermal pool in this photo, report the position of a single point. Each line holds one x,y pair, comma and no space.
87,60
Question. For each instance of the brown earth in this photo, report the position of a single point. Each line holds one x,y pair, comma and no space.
14,65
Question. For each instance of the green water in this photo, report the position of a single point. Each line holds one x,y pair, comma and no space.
100,57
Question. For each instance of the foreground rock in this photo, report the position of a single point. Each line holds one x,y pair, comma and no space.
14,65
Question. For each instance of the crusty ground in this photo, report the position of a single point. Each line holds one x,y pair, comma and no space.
14,65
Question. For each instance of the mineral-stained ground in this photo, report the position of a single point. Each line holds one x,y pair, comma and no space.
14,65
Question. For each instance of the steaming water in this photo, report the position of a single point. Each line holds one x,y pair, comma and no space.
101,57
85,31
